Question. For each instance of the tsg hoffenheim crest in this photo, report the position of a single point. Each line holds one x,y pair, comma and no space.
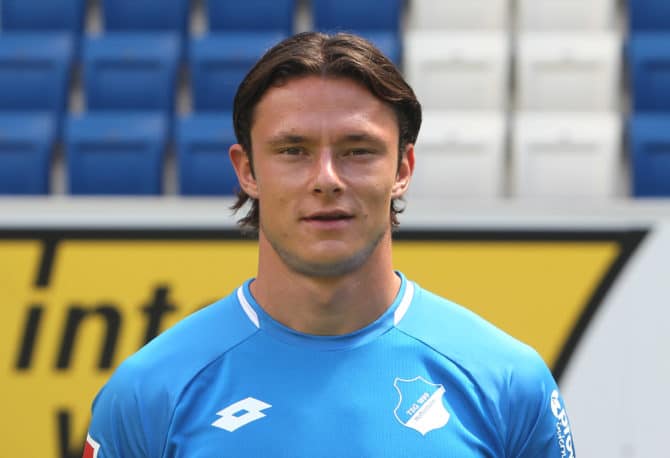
420,406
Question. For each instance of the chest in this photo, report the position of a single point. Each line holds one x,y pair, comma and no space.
367,404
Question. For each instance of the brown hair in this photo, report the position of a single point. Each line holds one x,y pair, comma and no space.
313,53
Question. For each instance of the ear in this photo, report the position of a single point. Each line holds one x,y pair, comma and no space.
404,174
244,170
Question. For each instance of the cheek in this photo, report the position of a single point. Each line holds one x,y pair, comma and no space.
273,185
377,200
276,205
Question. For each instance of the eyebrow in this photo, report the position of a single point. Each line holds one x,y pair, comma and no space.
362,137
286,139
292,139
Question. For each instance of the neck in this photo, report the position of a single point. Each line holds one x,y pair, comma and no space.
326,305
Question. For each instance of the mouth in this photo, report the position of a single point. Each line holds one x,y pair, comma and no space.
332,217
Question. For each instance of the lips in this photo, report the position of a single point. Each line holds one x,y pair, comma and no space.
328,216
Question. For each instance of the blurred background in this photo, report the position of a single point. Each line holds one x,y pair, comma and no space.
541,197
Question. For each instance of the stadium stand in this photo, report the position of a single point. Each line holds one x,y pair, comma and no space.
144,15
544,15
35,71
458,70
251,15
365,17
131,71
564,71
457,59
566,125
219,61
130,82
357,15
649,137
43,15
499,62
202,143
648,55
108,152
116,153
649,63
464,152
457,14
167,16
26,148
647,15
572,154
57,21
38,45
239,33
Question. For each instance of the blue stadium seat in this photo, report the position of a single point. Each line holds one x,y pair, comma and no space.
649,57
248,15
219,62
649,15
202,142
145,15
649,136
379,23
148,16
357,15
26,147
116,153
131,71
36,15
35,71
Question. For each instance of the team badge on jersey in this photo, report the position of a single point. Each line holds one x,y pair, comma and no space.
90,448
420,406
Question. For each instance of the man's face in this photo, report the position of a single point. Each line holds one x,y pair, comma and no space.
325,159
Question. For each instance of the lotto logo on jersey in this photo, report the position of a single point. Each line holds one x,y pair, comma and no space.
420,406
91,448
241,413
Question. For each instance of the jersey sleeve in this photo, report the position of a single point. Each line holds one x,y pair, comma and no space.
126,419
538,424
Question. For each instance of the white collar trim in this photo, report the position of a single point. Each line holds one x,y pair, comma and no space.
246,306
398,315
405,302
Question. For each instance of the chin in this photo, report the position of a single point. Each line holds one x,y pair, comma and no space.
326,264
326,269
327,258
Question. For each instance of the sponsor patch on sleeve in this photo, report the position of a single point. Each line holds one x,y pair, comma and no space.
91,448
563,432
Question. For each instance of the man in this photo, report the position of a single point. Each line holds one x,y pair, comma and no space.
328,352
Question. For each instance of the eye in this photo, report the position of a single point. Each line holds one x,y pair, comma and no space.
359,152
292,150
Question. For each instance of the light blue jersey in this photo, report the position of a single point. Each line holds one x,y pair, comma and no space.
427,379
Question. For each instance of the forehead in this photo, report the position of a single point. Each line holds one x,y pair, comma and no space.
321,105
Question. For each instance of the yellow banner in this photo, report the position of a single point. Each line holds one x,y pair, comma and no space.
75,305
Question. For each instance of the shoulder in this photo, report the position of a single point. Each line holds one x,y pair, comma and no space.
512,380
147,386
468,340
180,352
196,340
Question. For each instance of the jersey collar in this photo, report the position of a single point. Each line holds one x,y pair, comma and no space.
380,326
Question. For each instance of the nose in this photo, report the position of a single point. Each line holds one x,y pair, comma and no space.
327,179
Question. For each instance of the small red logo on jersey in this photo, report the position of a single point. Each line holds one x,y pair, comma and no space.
91,448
